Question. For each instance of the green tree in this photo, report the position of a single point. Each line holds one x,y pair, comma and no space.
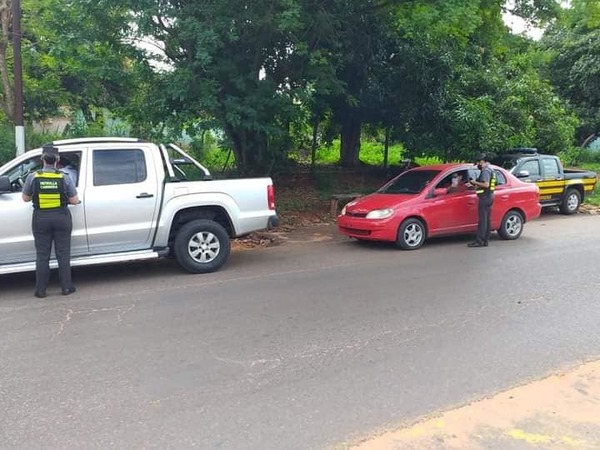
507,104
468,85
238,63
77,56
574,46
401,65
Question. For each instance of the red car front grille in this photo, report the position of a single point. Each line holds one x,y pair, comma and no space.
351,214
355,231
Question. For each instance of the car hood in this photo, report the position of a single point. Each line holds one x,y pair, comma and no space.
372,202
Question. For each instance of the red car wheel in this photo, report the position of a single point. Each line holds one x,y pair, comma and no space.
511,226
411,234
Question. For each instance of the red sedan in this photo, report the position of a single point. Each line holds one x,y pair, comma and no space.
436,201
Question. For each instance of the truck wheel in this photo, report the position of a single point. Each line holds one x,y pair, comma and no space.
571,202
511,226
411,234
202,246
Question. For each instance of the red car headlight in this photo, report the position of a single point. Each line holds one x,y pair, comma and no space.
380,213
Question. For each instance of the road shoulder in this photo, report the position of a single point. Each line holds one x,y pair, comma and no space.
561,411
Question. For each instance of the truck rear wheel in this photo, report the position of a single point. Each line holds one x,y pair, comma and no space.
571,202
202,246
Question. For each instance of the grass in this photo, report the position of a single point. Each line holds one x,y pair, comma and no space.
593,199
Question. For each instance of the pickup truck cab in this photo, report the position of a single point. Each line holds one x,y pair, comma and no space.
565,188
137,202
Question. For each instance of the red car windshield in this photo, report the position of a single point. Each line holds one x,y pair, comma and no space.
411,182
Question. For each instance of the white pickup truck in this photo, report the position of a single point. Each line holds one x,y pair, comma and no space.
137,202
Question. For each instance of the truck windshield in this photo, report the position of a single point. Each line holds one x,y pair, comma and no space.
24,169
411,182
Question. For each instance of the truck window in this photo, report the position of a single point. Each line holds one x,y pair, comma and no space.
119,167
551,169
532,166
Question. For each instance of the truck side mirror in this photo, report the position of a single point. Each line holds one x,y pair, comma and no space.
5,185
523,174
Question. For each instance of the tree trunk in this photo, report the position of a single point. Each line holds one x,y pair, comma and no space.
313,150
249,148
7,96
386,148
350,148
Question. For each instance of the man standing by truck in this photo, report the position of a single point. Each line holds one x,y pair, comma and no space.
485,186
50,191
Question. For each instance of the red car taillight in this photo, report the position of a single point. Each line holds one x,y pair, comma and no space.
271,196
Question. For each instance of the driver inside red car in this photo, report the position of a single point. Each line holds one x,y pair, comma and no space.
457,184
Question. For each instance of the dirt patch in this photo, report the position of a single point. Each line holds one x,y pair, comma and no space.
559,412
303,199
589,209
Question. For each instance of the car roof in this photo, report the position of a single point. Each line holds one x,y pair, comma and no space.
95,140
445,166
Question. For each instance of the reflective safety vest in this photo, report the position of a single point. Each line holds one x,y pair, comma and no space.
492,186
49,190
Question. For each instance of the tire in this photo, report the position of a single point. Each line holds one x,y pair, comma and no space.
411,234
202,246
511,226
571,201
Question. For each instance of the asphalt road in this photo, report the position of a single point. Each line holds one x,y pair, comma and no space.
306,345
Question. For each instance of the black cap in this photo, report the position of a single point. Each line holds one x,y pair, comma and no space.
482,157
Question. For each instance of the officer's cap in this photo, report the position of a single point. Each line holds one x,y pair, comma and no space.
486,157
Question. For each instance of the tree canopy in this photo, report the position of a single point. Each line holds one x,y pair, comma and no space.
443,77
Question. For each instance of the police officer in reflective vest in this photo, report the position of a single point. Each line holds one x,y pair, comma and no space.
485,186
50,191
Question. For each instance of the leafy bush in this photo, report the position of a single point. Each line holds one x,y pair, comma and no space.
577,156
329,154
590,156
217,159
7,143
428,160
371,152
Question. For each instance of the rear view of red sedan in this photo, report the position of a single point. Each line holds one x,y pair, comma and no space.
435,201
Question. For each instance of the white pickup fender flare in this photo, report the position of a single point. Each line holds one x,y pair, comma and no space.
193,200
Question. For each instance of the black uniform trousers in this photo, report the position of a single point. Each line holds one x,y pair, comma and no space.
486,201
52,226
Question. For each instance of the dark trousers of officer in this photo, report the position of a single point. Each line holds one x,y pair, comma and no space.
52,226
485,217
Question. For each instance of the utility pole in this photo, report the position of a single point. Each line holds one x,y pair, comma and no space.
18,75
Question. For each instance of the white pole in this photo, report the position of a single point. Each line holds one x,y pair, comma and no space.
18,73
20,139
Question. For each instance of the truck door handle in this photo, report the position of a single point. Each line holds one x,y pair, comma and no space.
504,197
144,195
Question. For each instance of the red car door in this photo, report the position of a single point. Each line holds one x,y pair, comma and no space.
451,213
502,199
